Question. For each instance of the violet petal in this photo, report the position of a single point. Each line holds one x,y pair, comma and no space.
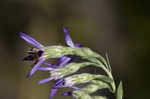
64,62
75,87
62,59
46,68
53,92
35,68
31,40
45,80
68,38
50,65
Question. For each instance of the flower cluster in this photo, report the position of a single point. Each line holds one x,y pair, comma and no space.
37,56
40,54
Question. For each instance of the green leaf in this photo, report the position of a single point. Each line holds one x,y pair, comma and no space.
56,51
120,91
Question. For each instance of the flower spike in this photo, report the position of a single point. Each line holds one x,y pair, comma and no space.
31,40
64,73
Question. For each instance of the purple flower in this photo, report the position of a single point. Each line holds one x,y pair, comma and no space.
61,84
68,39
35,54
62,62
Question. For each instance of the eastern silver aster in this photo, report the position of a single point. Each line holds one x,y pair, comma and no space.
65,72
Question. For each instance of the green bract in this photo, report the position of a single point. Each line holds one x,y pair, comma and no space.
68,69
120,91
59,51
97,82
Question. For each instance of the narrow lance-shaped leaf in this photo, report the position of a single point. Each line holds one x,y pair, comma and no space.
120,91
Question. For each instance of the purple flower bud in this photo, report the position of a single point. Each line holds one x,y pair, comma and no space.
68,38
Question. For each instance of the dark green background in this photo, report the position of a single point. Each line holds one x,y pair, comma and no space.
119,27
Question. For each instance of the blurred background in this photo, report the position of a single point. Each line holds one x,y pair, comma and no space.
119,27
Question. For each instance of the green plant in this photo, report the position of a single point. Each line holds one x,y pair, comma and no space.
65,73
